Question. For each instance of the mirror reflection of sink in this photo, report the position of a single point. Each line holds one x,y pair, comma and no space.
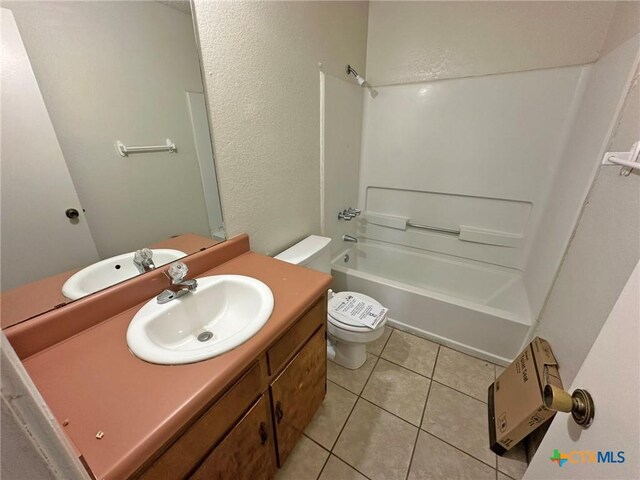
224,312
110,271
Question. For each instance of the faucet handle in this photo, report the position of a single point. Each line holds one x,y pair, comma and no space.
142,255
177,271
354,211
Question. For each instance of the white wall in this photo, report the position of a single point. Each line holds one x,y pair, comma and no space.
574,175
261,63
610,374
477,152
420,41
341,140
601,255
119,71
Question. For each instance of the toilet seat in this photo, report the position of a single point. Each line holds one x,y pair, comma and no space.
351,326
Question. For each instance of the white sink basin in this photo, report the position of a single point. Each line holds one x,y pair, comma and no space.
110,271
232,308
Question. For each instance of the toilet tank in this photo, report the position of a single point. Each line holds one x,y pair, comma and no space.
312,252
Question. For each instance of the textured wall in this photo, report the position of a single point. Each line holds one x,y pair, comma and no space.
261,73
418,41
601,256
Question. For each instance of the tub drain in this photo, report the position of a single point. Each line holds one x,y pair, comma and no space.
205,336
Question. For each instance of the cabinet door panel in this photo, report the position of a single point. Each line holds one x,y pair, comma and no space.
209,429
247,452
298,392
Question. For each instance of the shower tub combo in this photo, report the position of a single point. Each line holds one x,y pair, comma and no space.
471,306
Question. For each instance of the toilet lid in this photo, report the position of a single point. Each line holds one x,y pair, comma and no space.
340,297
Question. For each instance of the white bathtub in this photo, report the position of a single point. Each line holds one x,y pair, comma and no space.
475,307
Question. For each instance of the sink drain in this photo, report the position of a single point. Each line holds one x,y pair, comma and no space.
205,336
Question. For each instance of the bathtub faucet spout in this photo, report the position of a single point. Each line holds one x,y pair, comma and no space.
349,238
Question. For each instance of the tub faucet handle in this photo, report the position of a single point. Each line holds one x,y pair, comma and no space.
354,211
344,215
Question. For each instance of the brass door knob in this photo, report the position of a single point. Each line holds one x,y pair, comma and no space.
579,404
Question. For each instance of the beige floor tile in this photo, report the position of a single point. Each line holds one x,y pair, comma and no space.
306,461
499,370
411,352
398,390
459,420
377,346
434,459
465,373
331,416
502,476
376,443
514,462
352,380
336,469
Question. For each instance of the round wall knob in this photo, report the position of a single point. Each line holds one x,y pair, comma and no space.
72,213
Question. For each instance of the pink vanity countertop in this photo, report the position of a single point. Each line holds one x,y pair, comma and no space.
92,381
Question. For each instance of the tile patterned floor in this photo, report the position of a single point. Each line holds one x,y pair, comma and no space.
415,410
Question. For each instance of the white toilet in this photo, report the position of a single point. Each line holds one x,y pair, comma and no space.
347,341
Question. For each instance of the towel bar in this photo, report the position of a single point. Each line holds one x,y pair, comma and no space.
124,151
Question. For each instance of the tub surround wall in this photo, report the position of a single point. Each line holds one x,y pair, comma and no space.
263,92
477,152
341,137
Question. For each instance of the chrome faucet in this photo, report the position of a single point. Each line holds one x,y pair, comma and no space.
143,260
177,272
348,213
349,238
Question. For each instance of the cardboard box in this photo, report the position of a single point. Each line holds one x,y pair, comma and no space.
516,406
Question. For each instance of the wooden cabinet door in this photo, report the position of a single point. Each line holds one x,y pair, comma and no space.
298,392
247,452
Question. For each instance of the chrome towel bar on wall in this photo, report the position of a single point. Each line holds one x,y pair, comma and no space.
124,151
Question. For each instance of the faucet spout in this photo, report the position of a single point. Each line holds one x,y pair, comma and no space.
349,238
143,260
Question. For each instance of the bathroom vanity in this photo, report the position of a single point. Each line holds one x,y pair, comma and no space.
237,415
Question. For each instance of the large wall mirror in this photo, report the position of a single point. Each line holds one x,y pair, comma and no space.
106,148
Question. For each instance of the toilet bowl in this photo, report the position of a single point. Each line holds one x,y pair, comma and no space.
347,340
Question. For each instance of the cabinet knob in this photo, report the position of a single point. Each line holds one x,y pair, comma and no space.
279,412
264,435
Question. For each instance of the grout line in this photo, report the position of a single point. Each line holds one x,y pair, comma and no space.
450,347
424,409
431,378
327,461
349,465
317,443
406,368
460,450
463,393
